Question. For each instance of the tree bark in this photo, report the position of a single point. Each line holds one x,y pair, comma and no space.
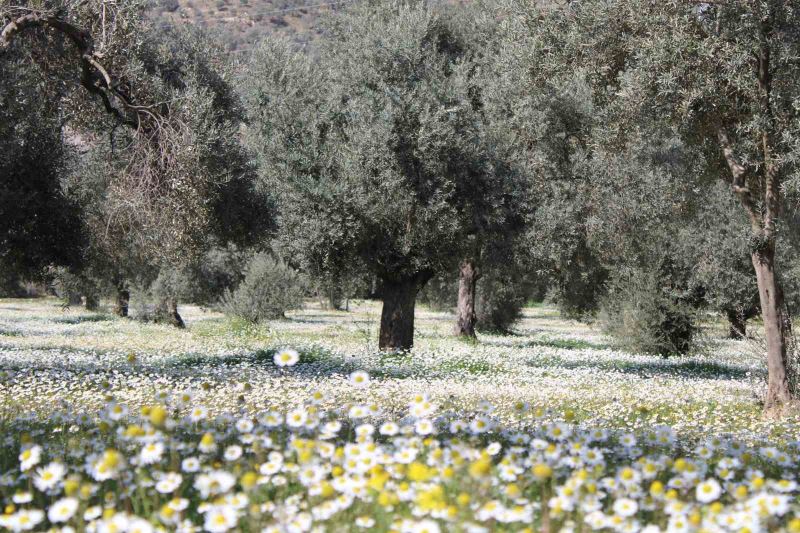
123,300
465,313
335,299
748,182
737,324
167,311
397,315
92,302
776,328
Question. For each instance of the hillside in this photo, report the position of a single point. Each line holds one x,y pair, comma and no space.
241,23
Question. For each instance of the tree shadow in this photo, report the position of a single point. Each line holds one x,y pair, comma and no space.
81,319
691,368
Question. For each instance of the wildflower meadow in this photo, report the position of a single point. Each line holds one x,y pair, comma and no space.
300,425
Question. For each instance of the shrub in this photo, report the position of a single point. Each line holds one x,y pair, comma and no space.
580,283
222,268
647,313
269,289
500,299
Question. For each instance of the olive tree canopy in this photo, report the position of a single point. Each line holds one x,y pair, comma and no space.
377,151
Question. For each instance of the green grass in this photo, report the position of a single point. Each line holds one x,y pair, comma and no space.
567,344
98,317
469,366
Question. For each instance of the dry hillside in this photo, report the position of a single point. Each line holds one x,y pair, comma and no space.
243,22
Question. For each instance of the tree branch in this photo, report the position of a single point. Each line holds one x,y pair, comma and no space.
95,78
739,179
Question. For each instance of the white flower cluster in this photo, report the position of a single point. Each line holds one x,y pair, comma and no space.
167,468
113,425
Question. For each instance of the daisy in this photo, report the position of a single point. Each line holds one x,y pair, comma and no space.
389,429
480,424
233,452
139,525
190,464
198,413
297,417
30,457
708,491
169,483
365,522
151,453
244,425
27,519
359,379
424,427
625,507
49,476
286,357
220,518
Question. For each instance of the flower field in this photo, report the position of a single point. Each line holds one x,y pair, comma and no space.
301,425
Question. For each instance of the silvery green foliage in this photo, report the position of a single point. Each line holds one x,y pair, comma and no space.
269,289
650,83
377,149
646,312
692,66
166,127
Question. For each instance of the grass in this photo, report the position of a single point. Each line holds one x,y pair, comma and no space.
98,317
468,366
553,363
568,344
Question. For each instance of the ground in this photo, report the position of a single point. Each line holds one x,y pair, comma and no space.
53,355
300,424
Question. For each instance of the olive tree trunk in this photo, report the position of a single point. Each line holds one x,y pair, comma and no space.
397,315
167,312
465,312
777,328
92,302
123,300
737,324
758,187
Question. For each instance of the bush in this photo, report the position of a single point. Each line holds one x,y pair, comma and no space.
500,299
580,284
269,289
646,313
222,268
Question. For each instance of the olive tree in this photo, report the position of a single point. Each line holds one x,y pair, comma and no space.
377,152
724,76
158,115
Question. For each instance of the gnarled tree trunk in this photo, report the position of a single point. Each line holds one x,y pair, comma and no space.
397,315
92,302
167,312
123,300
759,190
465,313
737,324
